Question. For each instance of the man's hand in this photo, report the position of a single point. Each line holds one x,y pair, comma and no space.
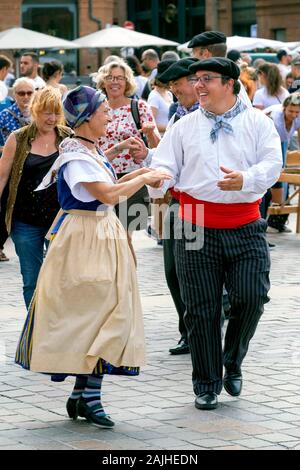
233,180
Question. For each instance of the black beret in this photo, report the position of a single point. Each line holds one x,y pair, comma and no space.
207,38
178,70
233,55
225,67
163,66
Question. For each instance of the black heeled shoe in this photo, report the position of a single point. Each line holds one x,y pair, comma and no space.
87,412
71,406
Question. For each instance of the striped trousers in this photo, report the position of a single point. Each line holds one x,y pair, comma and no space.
170,220
240,259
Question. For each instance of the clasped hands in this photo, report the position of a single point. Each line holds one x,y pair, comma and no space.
136,147
151,177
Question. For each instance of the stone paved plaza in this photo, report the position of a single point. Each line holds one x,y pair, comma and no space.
156,410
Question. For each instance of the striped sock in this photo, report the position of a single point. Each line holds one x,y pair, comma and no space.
79,387
92,394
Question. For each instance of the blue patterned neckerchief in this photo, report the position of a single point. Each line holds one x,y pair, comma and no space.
220,122
183,111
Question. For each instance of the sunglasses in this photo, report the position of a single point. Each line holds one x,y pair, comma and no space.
23,93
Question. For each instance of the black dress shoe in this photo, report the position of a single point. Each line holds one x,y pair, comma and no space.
233,383
181,348
71,406
206,401
88,412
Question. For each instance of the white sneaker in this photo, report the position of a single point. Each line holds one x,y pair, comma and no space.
272,230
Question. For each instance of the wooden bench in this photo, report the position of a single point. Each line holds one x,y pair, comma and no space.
291,175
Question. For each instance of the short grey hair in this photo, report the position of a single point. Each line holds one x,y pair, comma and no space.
25,80
150,54
170,55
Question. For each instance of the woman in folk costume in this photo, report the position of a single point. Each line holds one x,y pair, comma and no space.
85,318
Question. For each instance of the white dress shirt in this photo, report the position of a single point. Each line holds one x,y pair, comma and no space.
187,153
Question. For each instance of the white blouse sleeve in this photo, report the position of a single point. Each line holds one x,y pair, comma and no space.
153,99
258,98
77,172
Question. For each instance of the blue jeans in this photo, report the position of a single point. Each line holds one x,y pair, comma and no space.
29,245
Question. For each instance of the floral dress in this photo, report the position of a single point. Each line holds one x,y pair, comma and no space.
121,127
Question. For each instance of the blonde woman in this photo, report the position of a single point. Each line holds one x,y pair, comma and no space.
28,154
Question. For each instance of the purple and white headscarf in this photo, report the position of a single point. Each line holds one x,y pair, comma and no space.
80,103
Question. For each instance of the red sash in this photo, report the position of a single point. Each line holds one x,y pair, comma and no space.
216,215
174,194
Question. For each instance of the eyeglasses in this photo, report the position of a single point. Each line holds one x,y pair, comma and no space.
118,78
205,79
23,93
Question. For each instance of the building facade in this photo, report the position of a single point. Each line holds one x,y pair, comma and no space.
182,19
279,20
67,19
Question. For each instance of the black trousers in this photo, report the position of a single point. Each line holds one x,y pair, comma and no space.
169,264
240,258
265,203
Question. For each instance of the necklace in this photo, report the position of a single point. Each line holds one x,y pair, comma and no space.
83,138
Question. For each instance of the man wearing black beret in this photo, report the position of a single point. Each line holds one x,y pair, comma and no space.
208,44
213,44
220,65
178,76
222,159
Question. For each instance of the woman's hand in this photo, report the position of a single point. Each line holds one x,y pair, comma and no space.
155,178
148,128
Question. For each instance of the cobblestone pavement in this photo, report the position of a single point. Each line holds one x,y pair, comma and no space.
156,410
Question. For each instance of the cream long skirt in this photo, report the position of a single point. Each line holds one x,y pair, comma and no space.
87,304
